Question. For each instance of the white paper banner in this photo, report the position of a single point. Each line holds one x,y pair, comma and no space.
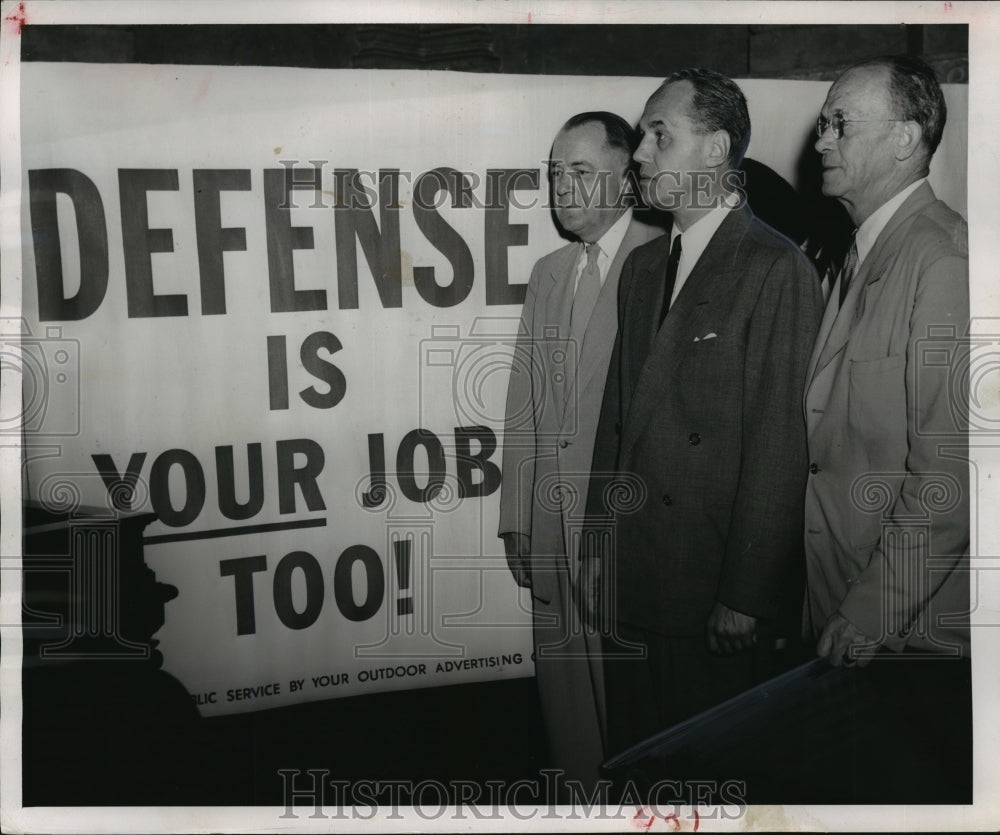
250,371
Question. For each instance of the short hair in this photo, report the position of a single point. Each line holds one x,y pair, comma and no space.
718,104
619,135
915,94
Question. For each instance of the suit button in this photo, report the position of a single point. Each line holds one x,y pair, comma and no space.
666,499
694,439
563,444
814,468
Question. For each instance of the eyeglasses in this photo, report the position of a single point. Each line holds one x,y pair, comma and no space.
837,124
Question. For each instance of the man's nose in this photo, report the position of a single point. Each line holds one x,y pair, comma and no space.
826,142
641,154
563,183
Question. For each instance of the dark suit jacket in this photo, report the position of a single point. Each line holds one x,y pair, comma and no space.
703,418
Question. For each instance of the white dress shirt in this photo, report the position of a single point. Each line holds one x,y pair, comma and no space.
696,239
610,242
869,231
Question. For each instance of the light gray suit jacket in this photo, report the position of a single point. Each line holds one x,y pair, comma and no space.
553,406
886,414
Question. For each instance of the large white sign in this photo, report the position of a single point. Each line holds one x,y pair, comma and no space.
276,307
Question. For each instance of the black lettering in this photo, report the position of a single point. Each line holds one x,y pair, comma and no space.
435,462
194,487
92,233
353,222
226,477
343,587
323,370
305,476
213,239
277,372
501,234
376,456
467,463
242,571
444,237
282,241
139,242
283,604
121,488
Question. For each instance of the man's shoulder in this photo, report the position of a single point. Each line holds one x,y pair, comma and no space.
937,230
651,249
556,255
762,235
763,244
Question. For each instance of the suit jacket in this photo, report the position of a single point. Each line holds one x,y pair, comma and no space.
886,415
703,419
553,405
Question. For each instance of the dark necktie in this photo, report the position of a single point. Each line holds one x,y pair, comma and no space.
671,277
850,267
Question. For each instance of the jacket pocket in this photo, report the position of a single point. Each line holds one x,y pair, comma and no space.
877,410
877,424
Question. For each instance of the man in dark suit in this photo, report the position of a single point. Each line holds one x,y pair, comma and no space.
703,416
567,331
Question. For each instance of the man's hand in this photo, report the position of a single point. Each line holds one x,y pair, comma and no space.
518,549
730,631
838,642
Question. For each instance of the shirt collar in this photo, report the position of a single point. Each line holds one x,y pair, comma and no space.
611,241
869,231
698,235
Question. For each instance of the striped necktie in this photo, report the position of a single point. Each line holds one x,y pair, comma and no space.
587,291
850,267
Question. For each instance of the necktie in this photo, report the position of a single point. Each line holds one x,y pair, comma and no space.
587,291
671,277
850,266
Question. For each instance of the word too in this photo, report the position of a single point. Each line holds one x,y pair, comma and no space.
243,569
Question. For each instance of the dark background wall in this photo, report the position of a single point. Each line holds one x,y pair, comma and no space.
759,51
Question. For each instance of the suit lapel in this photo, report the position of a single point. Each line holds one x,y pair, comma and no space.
838,325
600,336
841,322
715,271
558,307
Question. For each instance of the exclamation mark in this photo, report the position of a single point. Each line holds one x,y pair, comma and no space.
404,605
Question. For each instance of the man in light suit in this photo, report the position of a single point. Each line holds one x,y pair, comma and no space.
568,327
886,422
703,409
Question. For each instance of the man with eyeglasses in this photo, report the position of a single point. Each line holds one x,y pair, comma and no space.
887,501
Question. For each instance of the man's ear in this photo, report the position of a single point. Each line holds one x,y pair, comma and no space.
907,139
717,146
